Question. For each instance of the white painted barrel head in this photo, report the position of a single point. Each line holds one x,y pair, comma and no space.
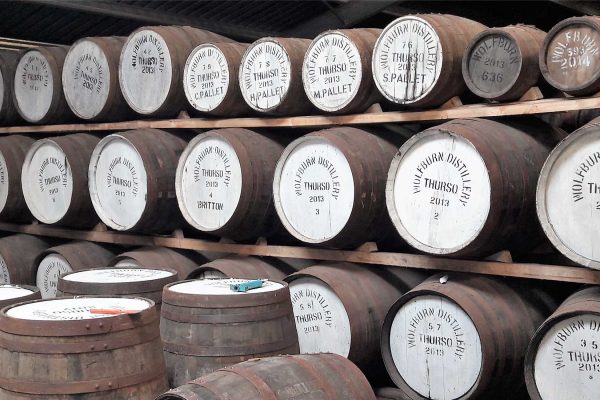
435,347
206,77
127,262
47,181
13,292
332,71
438,192
49,269
313,189
568,197
321,319
4,181
220,287
145,71
68,309
208,182
118,275
4,272
407,60
86,79
265,74
34,86
567,363
118,182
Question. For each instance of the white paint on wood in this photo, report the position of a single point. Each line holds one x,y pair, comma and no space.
145,71
567,362
208,182
435,347
127,262
407,60
118,182
47,181
65,309
118,275
50,268
221,287
332,71
4,272
321,319
34,86
13,292
86,79
265,75
314,189
206,77
4,183
438,192
209,273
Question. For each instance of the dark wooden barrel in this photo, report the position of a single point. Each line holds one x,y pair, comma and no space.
18,254
460,336
58,260
270,76
501,64
569,58
151,67
38,92
337,72
389,393
72,353
8,66
132,180
329,186
13,149
243,267
464,188
12,294
90,79
562,359
54,180
210,80
313,376
224,183
417,60
205,326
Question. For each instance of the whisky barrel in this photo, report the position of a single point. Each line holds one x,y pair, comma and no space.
570,56
8,66
183,261
210,80
389,393
461,336
243,267
90,79
501,64
329,187
330,316
463,188
151,67
311,376
337,73
270,76
562,359
224,183
55,183
38,91
18,254
58,260
417,59
206,326
132,180
13,294
13,149
58,349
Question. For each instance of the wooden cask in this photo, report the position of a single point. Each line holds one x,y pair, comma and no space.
271,76
38,92
13,149
8,66
55,183
205,326
151,67
311,376
562,359
570,56
90,79
465,189
210,80
58,260
60,350
18,254
417,60
13,294
224,183
132,180
243,267
337,72
501,64
461,336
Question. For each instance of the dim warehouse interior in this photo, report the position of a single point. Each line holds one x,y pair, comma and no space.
299,200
